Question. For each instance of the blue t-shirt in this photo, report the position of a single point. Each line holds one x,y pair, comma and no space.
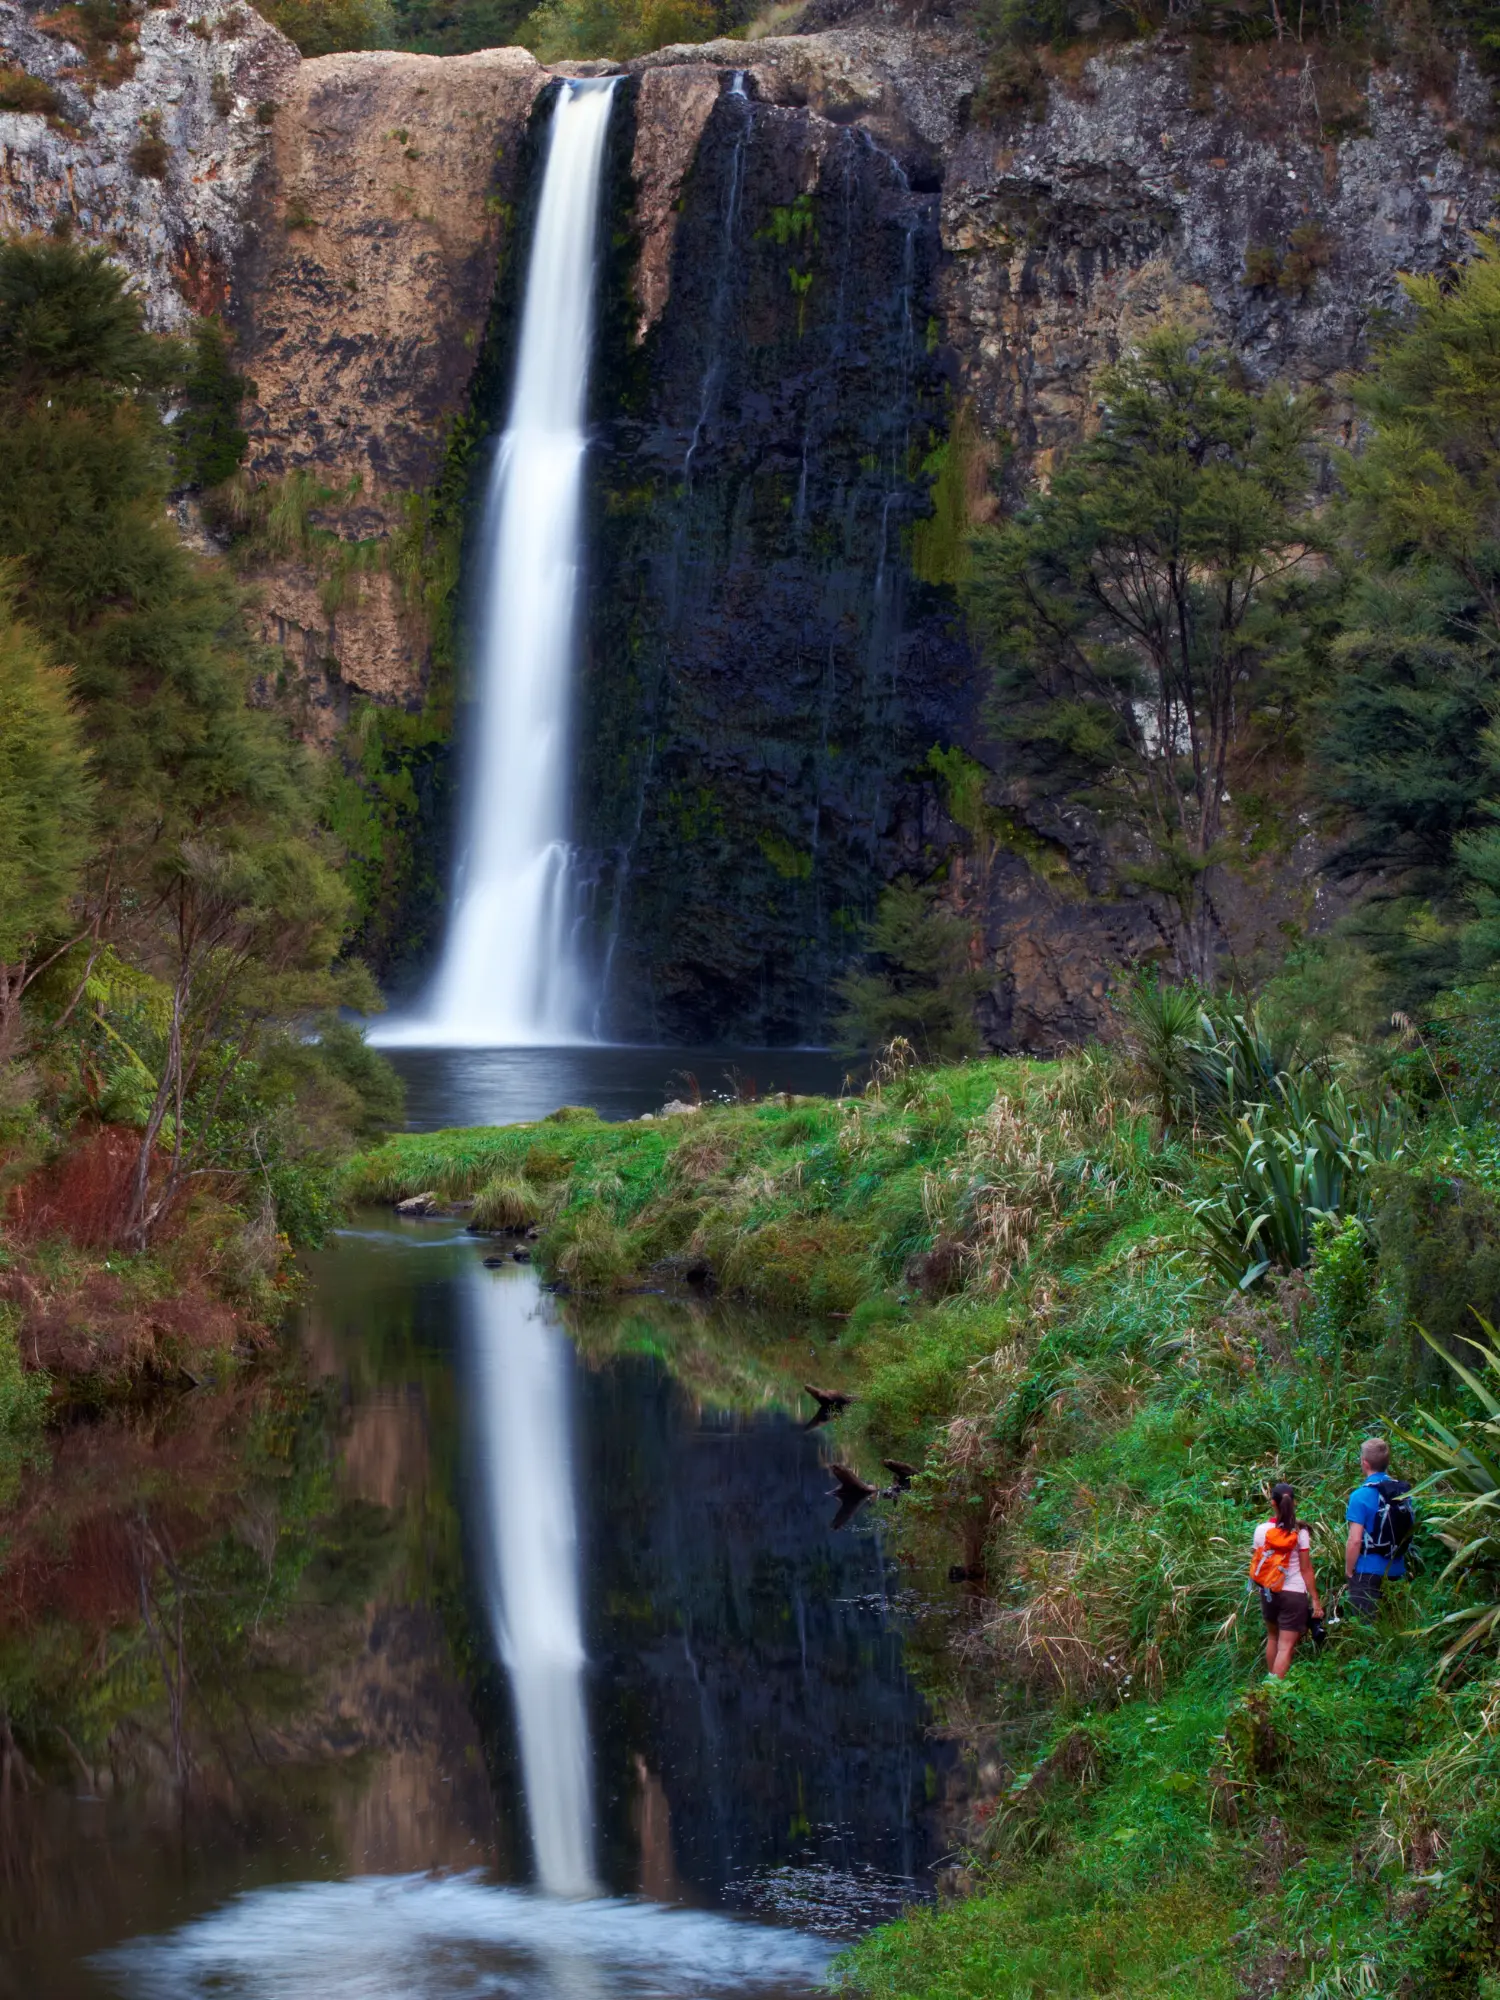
1364,1505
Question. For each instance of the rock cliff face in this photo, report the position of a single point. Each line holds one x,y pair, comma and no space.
378,226
784,611
833,285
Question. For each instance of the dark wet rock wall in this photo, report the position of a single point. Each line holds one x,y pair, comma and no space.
762,675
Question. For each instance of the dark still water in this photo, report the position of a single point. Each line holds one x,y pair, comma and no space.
463,1596
507,1086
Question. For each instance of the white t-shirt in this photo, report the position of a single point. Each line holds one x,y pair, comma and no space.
1293,1580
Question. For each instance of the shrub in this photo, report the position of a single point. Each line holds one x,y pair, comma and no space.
506,1202
580,29
27,94
1342,1284
1439,1246
1293,1165
1468,1458
592,1254
207,441
922,985
331,27
795,1263
150,156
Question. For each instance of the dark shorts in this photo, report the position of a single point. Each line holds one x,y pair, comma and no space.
1363,1595
1286,1610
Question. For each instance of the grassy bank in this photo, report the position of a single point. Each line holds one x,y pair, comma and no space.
1006,1265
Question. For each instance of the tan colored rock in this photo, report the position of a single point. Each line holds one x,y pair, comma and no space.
671,111
381,225
380,229
374,643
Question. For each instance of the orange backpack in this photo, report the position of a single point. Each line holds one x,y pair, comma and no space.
1268,1564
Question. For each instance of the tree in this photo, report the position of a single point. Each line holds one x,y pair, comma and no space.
46,809
1405,749
209,872
1143,616
1401,754
249,921
1424,494
923,985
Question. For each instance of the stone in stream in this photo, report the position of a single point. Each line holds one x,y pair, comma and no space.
418,1204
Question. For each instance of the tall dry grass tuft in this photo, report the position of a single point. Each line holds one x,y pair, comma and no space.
509,1201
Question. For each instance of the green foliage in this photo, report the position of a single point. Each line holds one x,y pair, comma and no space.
1465,1458
67,325
23,1399
591,1254
1144,615
46,797
1406,748
207,441
1342,1282
1403,754
1164,1023
1425,492
1295,1165
1055,1937
328,27
373,1081
923,985
506,1202
559,30
1439,1241
457,27
22,92
939,544
204,866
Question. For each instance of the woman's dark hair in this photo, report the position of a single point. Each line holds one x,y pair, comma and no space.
1284,1501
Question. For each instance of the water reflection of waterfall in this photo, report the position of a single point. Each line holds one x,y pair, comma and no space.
424,1937
510,973
523,1434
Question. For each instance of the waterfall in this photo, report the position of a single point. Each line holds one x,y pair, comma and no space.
521,1417
510,972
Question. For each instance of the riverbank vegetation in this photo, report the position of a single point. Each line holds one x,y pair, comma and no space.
171,912
1100,1304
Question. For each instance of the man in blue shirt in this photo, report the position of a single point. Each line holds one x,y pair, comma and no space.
1366,1571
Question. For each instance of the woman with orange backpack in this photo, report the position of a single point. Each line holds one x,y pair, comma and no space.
1281,1567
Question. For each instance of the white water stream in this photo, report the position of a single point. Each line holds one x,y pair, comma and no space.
521,1363
510,974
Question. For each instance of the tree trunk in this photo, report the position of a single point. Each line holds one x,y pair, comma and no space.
144,1214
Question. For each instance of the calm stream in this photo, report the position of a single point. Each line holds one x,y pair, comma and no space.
619,1652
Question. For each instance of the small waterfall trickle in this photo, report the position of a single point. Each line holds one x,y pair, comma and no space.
510,974
713,373
523,1436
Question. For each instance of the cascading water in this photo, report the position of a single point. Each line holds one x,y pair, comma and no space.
510,973
524,1443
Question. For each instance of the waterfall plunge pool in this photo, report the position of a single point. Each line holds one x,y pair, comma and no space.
511,1086
582,1613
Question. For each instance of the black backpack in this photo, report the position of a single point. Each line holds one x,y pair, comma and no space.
1395,1522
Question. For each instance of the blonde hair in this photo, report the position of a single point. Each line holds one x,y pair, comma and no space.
1375,1453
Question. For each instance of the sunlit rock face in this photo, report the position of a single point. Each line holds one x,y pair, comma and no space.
834,281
